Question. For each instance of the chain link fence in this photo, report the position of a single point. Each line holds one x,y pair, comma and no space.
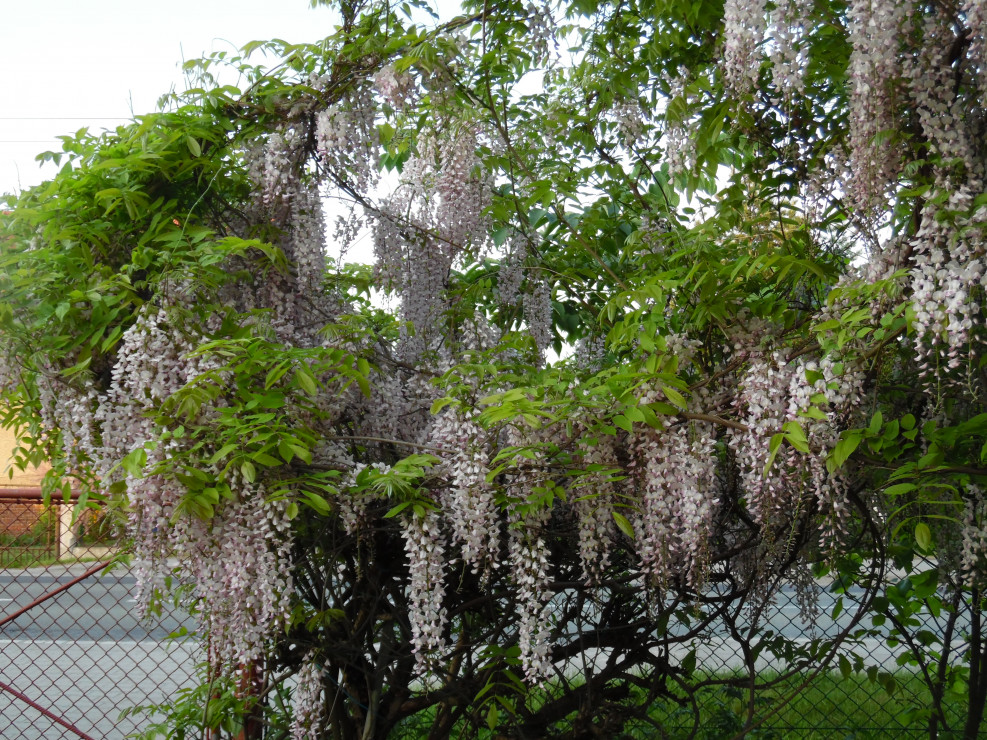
76,656
833,676
75,653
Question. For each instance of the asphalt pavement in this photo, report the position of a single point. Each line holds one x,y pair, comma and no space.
100,608
85,655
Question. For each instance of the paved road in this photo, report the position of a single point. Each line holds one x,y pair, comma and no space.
99,608
84,654
88,683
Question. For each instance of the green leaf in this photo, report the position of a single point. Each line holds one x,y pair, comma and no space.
876,423
848,443
305,380
674,396
623,422
493,716
262,458
395,510
134,462
923,536
193,146
634,414
440,403
689,662
813,412
900,488
248,471
317,502
845,668
623,524
773,447
222,452
796,436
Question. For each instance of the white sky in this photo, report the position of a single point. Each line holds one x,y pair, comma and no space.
66,64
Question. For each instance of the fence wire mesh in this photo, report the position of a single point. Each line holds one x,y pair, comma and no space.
75,653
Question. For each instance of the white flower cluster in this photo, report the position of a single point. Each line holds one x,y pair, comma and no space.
594,508
241,569
469,503
308,704
876,38
352,508
655,233
397,88
435,215
763,405
295,304
151,365
511,273
950,129
787,60
949,271
271,170
680,150
973,556
631,121
744,24
306,237
346,138
678,498
528,561
70,409
975,13
424,544
834,395
538,314
542,31
463,192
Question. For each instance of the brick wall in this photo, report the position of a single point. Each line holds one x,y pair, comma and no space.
18,517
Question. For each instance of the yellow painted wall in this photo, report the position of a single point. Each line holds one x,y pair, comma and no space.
30,477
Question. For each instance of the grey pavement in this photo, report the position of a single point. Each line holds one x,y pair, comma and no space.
102,607
102,678
85,654
88,683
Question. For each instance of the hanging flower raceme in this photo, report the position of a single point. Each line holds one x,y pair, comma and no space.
595,498
528,561
469,502
308,703
875,35
425,546
948,276
744,24
787,33
347,138
676,478
823,397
